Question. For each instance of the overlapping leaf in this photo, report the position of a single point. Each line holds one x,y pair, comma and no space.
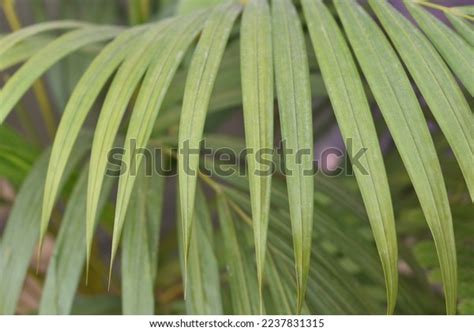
438,87
140,244
455,51
148,104
23,227
67,262
294,102
199,85
125,82
463,26
353,115
14,38
256,64
402,113
203,295
75,114
22,80
243,286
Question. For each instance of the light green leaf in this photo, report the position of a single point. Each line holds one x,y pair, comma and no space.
140,244
203,296
402,113
256,64
189,6
125,82
77,109
463,27
155,85
16,37
438,87
23,227
294,101
199,84
467,10
19,83
23,51
455,51
354,118
67,262
243,285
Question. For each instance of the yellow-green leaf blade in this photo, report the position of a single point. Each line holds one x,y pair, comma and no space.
23,227
354,118
19,83
203,292
243,285
67,261
463,27
439,89
148,104
402,113
140,244
124,84
75,114
455,51
256,64
294,101
23,51
199,84
16,37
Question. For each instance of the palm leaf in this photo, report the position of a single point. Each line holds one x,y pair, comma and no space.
353,115
154,87
462,26
402,113
16,37
294,101
455,51
19,83
438,87
242,285
23,226
120,92
203,296
67,262
75,114
23,51
199,84
140,245
257,88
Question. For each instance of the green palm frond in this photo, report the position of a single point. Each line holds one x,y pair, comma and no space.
167,81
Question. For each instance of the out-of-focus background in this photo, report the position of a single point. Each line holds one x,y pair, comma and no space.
61,79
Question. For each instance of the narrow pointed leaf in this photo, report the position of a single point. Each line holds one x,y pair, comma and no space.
438,87
19,83
256,64
294,101
75,114
67,262
243,285
23,51
16,37
120,92
354,118
455,51
155,85
23,227
402,113
463,27
203,296
199,84
140,245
